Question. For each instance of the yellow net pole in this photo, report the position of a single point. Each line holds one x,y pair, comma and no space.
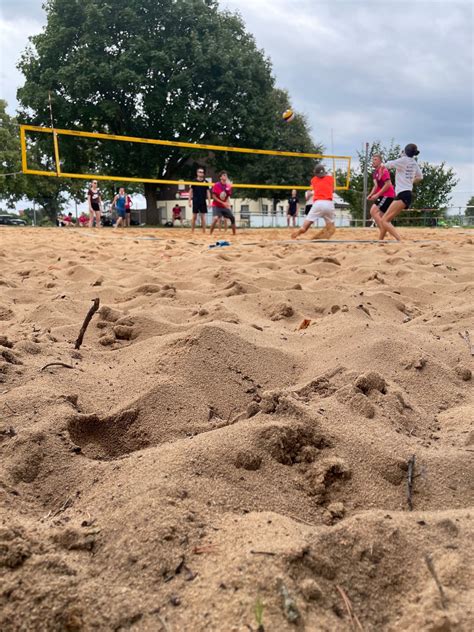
56,154
24,163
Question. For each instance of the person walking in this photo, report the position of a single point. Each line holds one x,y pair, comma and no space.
128,210
119,203
292,208
94,198
199,197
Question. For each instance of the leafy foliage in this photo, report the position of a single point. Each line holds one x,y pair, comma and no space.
49,193
470,207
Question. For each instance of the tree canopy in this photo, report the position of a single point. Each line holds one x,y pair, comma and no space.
180,69
49,193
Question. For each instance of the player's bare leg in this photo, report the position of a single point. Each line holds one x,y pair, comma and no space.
214,223
307,223
395,208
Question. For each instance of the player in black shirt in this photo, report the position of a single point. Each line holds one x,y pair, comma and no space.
292,208
199,196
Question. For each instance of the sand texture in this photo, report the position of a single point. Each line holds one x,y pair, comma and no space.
230,448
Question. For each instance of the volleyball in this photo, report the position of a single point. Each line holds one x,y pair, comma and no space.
288,115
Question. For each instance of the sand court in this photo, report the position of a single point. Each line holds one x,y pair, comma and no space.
238,424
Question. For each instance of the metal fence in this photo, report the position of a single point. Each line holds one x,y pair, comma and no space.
428,218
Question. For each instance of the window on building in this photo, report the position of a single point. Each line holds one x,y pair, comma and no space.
244,211
264,209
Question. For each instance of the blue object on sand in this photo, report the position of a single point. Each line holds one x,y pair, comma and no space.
220,244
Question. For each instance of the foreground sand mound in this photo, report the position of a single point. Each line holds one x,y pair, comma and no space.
240,439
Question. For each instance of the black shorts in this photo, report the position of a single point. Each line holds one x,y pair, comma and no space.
95,207
226,213
199,208
307,208
383,203
292,213
405,197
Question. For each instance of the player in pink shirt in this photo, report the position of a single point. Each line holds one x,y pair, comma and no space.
382,193
221,206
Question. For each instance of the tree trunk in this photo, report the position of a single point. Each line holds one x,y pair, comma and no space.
153,215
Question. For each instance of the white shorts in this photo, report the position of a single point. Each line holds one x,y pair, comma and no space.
322,208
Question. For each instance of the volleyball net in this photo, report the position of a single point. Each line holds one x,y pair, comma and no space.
51,162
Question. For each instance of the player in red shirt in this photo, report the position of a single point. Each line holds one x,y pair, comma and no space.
176,210
382,193
221,206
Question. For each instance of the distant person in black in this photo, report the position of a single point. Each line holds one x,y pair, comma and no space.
94,199
292,208
199,197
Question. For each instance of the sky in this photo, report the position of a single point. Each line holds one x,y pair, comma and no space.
360,70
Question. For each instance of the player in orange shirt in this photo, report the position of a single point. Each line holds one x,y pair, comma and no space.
323,205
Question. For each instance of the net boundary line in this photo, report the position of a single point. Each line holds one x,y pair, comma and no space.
87,176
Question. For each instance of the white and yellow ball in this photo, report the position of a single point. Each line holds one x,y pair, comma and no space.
288,115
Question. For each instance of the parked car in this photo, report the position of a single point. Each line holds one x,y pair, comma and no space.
11,221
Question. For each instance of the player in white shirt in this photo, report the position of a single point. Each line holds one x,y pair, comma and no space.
407,174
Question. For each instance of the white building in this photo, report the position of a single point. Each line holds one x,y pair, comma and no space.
253,213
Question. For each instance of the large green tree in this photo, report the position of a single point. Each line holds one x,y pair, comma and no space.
432,194
169,69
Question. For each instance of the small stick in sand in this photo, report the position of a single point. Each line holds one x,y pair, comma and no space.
66,366
465,336
87,320
164,625
10,408
350,610
410,481
431,568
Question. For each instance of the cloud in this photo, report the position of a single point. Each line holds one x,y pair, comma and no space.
14,35
18,9
375,71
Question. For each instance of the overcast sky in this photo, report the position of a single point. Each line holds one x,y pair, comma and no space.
366,70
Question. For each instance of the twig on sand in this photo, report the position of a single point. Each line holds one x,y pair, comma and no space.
67,366
465,336
164,625
262,552
350,610
65,505
205,548
431,568
410,481
10,408
87,320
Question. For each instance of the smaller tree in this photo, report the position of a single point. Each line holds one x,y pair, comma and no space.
434,191
469,210
51,194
